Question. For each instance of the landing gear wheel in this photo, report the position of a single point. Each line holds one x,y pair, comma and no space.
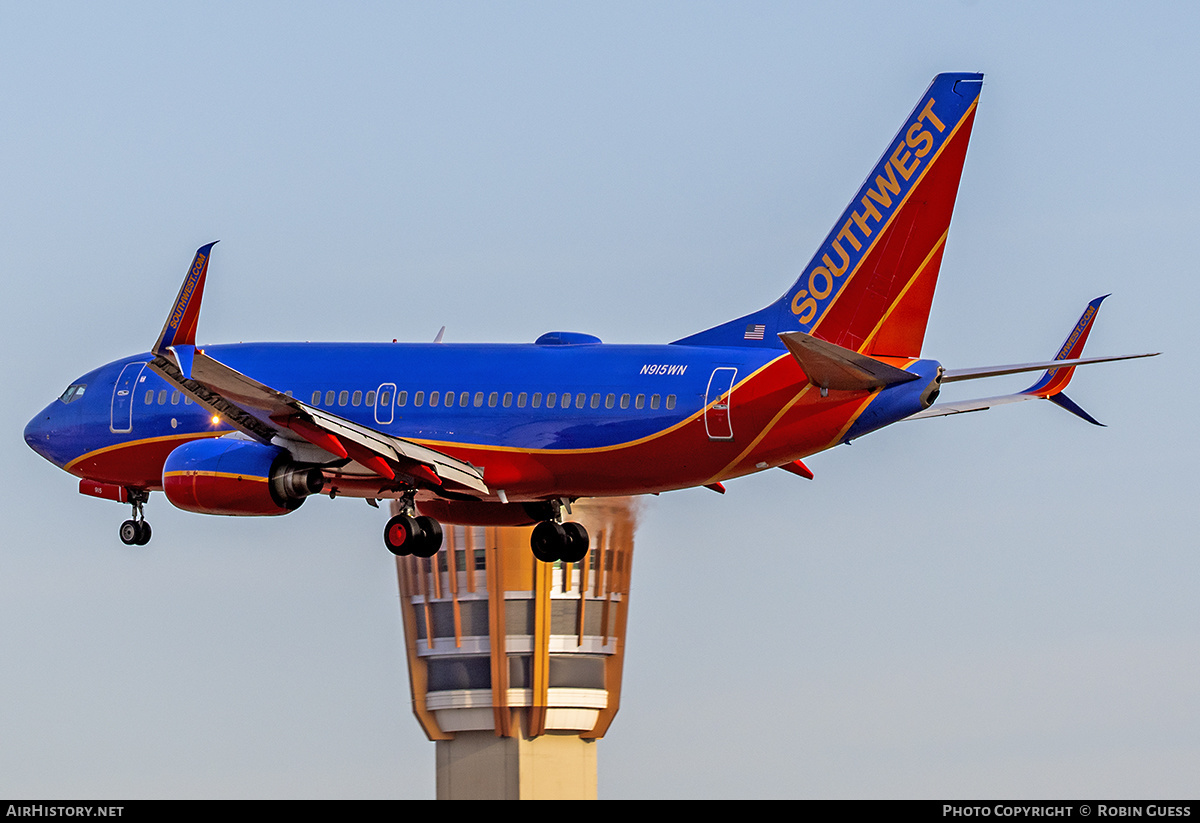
136,532
548,540
130,532
431,537
401,535
577,543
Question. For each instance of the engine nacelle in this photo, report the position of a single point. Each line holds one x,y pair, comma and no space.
237,477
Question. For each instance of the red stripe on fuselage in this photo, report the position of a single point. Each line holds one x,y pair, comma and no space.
136,464
683,456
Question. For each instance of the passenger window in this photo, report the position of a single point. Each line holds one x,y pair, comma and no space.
385,398
492,398
580,398
624,401
149,396
550,396
187,401
401,398
175,398
521,400
371,398
537,399
316,398
595,400
434,397
507,399
356,399
640,402
670,401
329,398
478,399
449,399
610,401
162,396
654,399
343,397
419,398
464,399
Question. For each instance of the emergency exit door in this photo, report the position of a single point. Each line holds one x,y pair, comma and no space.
716,404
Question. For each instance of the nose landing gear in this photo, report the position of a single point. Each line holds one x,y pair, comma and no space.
136,532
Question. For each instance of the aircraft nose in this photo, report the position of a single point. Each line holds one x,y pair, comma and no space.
49,433
38,432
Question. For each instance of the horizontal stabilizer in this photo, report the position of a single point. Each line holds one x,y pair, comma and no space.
829,366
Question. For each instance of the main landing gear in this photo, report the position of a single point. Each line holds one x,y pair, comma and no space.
408,533
567,542
552,541
136,532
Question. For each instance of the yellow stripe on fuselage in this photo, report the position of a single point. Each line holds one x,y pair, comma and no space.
142,442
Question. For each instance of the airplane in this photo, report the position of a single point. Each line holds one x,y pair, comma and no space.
513,434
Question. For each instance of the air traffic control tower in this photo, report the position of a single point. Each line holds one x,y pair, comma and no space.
515,665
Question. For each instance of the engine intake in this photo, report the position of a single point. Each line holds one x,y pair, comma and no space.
237,477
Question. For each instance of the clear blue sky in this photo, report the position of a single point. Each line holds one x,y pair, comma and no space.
1000,604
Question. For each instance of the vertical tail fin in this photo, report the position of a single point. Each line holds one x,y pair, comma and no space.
870,285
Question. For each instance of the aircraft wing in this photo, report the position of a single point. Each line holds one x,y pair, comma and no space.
1057,376
266,414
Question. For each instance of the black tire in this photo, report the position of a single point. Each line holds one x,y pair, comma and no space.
431,537
548,540
144,533
401,535
130,532
577,545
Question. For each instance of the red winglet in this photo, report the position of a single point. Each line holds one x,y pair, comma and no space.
180,328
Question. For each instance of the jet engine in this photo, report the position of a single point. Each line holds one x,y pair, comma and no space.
237,477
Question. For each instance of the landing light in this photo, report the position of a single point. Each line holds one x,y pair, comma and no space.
216,418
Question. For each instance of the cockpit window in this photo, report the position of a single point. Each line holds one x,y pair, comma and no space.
73,392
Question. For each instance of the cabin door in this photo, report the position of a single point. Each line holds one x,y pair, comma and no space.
716,404
120,418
